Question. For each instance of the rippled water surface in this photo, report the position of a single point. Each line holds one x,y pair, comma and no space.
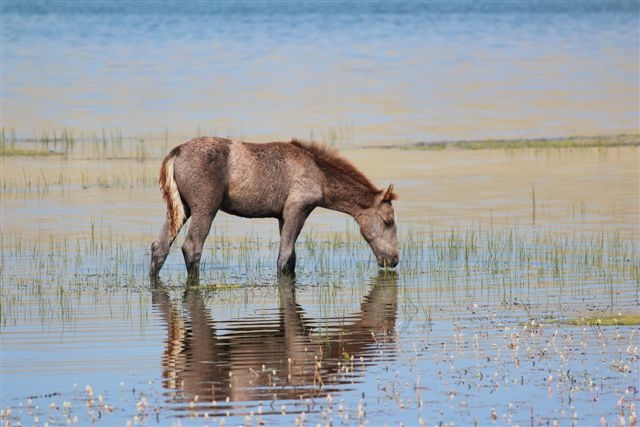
502,251
361,72
498,249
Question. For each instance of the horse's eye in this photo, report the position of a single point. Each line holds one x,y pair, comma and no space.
388,222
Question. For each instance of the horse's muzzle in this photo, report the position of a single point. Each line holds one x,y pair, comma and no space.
388,262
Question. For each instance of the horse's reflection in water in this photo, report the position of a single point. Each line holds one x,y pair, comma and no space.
268,359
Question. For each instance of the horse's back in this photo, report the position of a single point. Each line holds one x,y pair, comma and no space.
263,178
256,180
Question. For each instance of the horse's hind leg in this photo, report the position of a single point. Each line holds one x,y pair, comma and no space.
192,247
160,249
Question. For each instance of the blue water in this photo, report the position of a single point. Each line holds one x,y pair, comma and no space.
455,343
344,72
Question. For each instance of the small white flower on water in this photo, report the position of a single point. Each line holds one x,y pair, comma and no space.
142,404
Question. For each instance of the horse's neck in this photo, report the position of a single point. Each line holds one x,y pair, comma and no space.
344,195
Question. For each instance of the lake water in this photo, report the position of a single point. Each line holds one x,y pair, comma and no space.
469,329
356,72
501,249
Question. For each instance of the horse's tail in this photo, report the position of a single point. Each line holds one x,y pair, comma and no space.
170,193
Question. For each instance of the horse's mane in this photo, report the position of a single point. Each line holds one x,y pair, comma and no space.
329,158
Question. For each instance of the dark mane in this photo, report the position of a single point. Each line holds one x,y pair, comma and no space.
329,158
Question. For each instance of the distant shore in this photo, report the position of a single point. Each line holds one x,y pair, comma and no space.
623,140
64,144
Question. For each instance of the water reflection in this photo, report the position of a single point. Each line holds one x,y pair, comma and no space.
284,355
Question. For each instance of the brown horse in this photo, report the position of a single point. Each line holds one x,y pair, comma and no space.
283,180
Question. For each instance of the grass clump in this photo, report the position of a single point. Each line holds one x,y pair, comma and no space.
45,145
12,151
605,320
215,287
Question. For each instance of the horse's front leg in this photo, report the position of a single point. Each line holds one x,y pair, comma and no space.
290,225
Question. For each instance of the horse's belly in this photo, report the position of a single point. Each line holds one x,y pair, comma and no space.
249,211
253,200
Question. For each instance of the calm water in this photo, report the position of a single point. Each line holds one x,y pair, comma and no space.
498,246
356,72
467,330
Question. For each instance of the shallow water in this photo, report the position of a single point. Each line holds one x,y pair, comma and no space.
467,330
498,247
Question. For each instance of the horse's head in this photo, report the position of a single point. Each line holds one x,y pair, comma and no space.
378,227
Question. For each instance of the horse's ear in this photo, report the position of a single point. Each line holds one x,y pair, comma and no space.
389,195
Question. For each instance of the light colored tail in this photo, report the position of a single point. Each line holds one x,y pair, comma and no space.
170,193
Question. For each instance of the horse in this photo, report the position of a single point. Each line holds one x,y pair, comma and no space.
282,180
